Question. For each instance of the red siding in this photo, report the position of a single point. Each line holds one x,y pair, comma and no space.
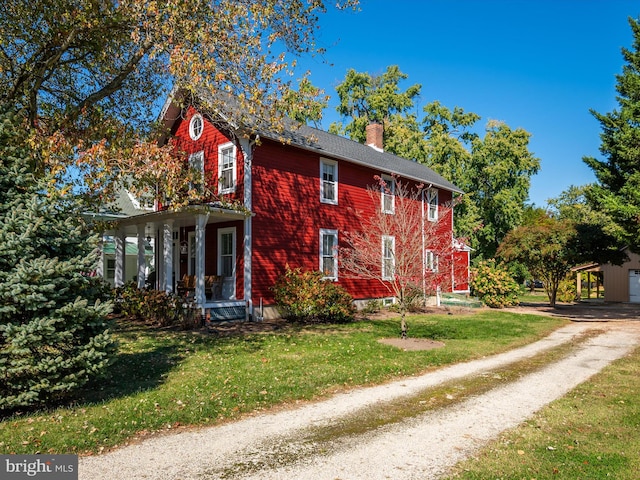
289,215
461,271
208,142
287,211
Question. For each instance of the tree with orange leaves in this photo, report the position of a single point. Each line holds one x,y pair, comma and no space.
88,74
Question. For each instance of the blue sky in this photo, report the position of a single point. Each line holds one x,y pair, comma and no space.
536,64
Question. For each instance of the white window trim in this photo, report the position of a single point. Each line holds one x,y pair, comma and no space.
234,168
384,273
430,261
333,233
199,158
323,198
192,133
390,185
221,232
432,201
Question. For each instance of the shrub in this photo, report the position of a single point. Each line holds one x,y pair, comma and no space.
306,296
156,307
567,290
372,306
493,285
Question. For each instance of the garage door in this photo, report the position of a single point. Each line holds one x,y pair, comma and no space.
634,286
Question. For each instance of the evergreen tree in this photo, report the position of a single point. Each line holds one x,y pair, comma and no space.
617,192
53,330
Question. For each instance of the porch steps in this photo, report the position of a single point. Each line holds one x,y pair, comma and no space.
224,311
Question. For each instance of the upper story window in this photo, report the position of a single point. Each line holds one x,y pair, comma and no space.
196,163
196,126
432,202
388,257
388,190
227,168
329,253
328,181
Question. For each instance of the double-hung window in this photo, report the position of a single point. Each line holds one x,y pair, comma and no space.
227,252
430,261
227,168
196,164
388,190
328,181
388,257
432,204
329,253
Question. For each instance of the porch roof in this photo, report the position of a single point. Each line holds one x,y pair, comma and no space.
182,217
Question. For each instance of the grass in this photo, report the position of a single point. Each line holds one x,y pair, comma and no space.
537,296
163,380
591,433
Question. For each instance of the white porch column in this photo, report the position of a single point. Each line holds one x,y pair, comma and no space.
247,152
120,244
142,261
167,255
201,227
159,259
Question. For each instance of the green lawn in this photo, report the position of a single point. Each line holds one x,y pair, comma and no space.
537,296
163,380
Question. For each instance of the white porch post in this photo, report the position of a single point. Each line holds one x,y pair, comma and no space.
159,258
167,255
247,151
120,243
142,261
201,227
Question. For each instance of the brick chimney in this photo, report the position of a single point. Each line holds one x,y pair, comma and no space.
374,135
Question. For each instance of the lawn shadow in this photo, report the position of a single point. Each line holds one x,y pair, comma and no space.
130,373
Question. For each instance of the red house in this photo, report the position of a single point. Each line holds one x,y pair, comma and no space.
285,199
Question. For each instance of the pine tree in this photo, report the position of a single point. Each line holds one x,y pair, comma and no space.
53,327
617,192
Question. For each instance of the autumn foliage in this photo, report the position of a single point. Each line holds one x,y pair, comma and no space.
493,285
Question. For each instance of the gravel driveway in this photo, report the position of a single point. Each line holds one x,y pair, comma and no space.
279,445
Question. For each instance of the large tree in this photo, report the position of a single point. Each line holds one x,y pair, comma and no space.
617,191
494,171
366,98
500,177
550,247
53,330
87,71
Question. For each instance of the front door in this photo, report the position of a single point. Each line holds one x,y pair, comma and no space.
227,261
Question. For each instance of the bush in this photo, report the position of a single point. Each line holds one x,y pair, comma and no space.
372,306
156,307
306,296
493,285
567,290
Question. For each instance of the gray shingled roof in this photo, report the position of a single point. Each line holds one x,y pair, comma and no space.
329,144
343,148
